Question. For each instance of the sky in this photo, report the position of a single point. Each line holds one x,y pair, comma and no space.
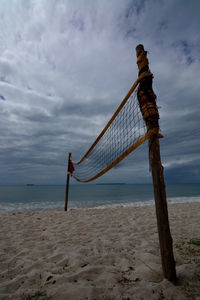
66,65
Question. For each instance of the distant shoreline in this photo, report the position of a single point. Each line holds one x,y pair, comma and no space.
112,183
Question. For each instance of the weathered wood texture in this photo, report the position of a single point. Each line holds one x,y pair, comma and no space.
165,239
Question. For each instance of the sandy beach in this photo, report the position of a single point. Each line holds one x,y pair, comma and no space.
110,253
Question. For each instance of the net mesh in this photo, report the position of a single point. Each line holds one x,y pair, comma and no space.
125,133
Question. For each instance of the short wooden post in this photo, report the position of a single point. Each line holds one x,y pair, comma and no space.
67,184
165,239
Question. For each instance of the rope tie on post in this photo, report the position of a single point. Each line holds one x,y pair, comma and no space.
146,95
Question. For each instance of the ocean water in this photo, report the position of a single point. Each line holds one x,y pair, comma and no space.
23,198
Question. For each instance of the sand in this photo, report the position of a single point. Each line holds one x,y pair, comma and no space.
110,253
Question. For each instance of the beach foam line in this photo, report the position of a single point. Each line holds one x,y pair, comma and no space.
184,199
123,205
58,206
170,200
32,206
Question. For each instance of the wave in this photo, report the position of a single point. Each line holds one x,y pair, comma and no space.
170,200
49,205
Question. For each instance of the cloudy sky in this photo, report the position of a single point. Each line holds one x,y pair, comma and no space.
66,65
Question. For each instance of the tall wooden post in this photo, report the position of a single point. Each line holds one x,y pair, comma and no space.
149,110
67,183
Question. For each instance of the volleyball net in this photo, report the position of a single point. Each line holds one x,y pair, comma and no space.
125,131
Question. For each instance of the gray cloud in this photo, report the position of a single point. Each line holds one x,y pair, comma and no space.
65,67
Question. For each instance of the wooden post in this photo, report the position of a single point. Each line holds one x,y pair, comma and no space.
67,184
165,239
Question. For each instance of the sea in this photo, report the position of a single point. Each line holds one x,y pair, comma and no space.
45,197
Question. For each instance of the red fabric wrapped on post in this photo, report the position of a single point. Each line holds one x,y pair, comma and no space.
71,167
145,94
